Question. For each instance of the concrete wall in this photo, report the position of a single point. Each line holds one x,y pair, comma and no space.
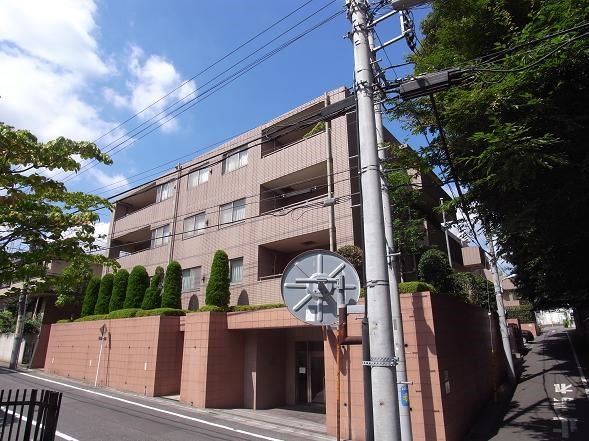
40,351
6,343
140,354
449,361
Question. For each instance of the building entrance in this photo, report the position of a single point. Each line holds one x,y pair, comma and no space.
310,372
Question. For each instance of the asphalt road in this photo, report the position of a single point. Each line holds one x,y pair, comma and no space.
551,401
89,414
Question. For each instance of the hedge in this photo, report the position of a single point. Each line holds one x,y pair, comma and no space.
104,294
525,313
119,290
123,313
172,293
136,286
411,287
217,293
67,320
238,308
434,268
89,318
212,308
164,312
153,294
90,296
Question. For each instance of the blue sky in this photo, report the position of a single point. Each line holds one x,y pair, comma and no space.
78,68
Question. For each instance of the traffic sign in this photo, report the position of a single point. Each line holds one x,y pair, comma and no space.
315,282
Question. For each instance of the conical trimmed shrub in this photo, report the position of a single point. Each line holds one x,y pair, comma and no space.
153,294
217,293
172,293
119,290
136,286
90,296
106,284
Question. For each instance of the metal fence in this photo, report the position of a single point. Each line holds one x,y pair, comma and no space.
29,415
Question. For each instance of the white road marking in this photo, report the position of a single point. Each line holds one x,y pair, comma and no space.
563,388
155,409
579,368
24,418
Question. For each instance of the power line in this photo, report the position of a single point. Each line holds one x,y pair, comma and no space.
163,118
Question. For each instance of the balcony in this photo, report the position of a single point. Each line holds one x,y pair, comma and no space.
130,243
274,256
291,130
294,188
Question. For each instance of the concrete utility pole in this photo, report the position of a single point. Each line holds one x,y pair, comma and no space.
446,232
501,310
382,360
20,322
399,338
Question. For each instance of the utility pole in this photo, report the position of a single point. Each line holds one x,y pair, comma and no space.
20,322
330,188
501,310
446,232
382,354
397,320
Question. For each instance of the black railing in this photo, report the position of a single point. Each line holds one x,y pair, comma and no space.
29,415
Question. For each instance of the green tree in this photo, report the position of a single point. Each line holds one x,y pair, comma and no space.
516,130
474,289
172,293
433,268
119,290
41,220
90,296
104,294
136,287
217,292
153,297
355,256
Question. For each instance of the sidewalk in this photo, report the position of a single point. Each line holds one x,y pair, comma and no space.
549,402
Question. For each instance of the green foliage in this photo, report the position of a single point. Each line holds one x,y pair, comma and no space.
407,200
31,326
157,281
172,294
136,286
475,289
39,212
354,255
89,318
7,322
217,293
411,287
516,131
213,308
119,290
317,128
123,313
151,300
525,313
237,308
71,283
434,269
160,311
90,296
66,320
104,294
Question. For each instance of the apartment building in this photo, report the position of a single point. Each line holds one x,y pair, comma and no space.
260,197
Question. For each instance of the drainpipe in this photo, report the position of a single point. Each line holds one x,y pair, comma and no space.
174,220
330,189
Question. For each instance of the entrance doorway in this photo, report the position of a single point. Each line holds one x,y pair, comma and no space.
310,372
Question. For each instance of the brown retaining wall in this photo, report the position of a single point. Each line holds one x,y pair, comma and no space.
141,355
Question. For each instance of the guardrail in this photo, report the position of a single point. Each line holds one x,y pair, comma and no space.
29,415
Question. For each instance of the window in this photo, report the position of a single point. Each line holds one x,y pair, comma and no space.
190,278
236,270
198,177
194,225
232,212
164,191
160,236
235,160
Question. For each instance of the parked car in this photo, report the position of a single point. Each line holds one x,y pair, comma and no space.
527,335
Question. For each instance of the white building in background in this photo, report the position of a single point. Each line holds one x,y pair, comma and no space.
555,317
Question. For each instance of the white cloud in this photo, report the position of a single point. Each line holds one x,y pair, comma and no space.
101,229
152,78
49,57
114,182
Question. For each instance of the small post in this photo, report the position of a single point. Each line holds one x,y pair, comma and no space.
101,338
